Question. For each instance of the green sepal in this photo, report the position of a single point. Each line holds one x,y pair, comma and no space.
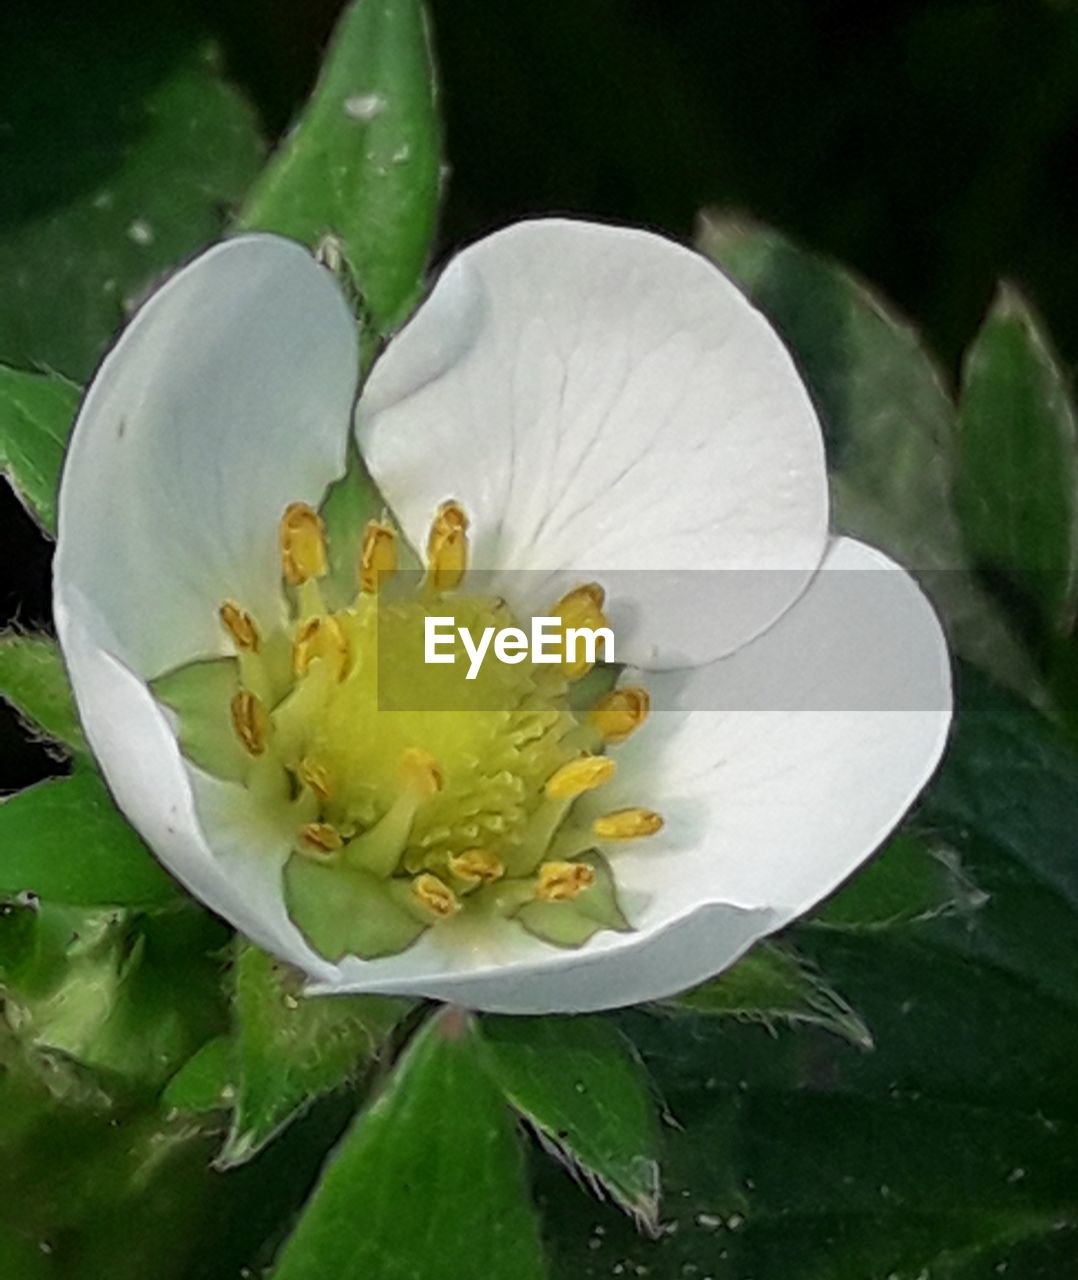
581,1086
775,985
571,924
362,166
36,412
291,1048
429,1181
205,1081
343,911
200,694
33,680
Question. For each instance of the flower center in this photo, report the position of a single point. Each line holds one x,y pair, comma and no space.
415,793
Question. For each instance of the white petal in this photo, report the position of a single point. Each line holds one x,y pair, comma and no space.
783,767
236,870
601,399
841,714
227,397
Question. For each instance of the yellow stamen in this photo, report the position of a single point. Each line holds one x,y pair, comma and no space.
581,609
378,558
475,866
302,540
435,896
320,837
315,776
241,626
578,776
321,637
251,721
627,824
621,712
419,772
447,547
563,881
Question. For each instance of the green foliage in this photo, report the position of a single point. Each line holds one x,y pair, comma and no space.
33,680
363,164
429,1180
889,424
913,878
291,1048
129,172
36,413
65,841
1018,472
774,985
580,1085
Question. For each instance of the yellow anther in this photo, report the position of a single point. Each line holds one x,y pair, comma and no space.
621,712
627,824
435,896
321,637
578,776
241,626
378,558
320,838
251,721
476,866
582,607
419,772
563,881
447,547
302,538
315,776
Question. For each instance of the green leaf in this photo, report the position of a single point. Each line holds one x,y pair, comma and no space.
889,424
65,841
36,413
291,1049
772,984
34,681
1018,472
363,165
141,170
428,1182
205,1081
912,879
580,1085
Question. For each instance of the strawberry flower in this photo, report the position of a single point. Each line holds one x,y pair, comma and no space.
583,423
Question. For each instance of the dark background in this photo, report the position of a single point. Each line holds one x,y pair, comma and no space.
930,145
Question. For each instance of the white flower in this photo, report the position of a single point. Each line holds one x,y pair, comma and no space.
599,404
